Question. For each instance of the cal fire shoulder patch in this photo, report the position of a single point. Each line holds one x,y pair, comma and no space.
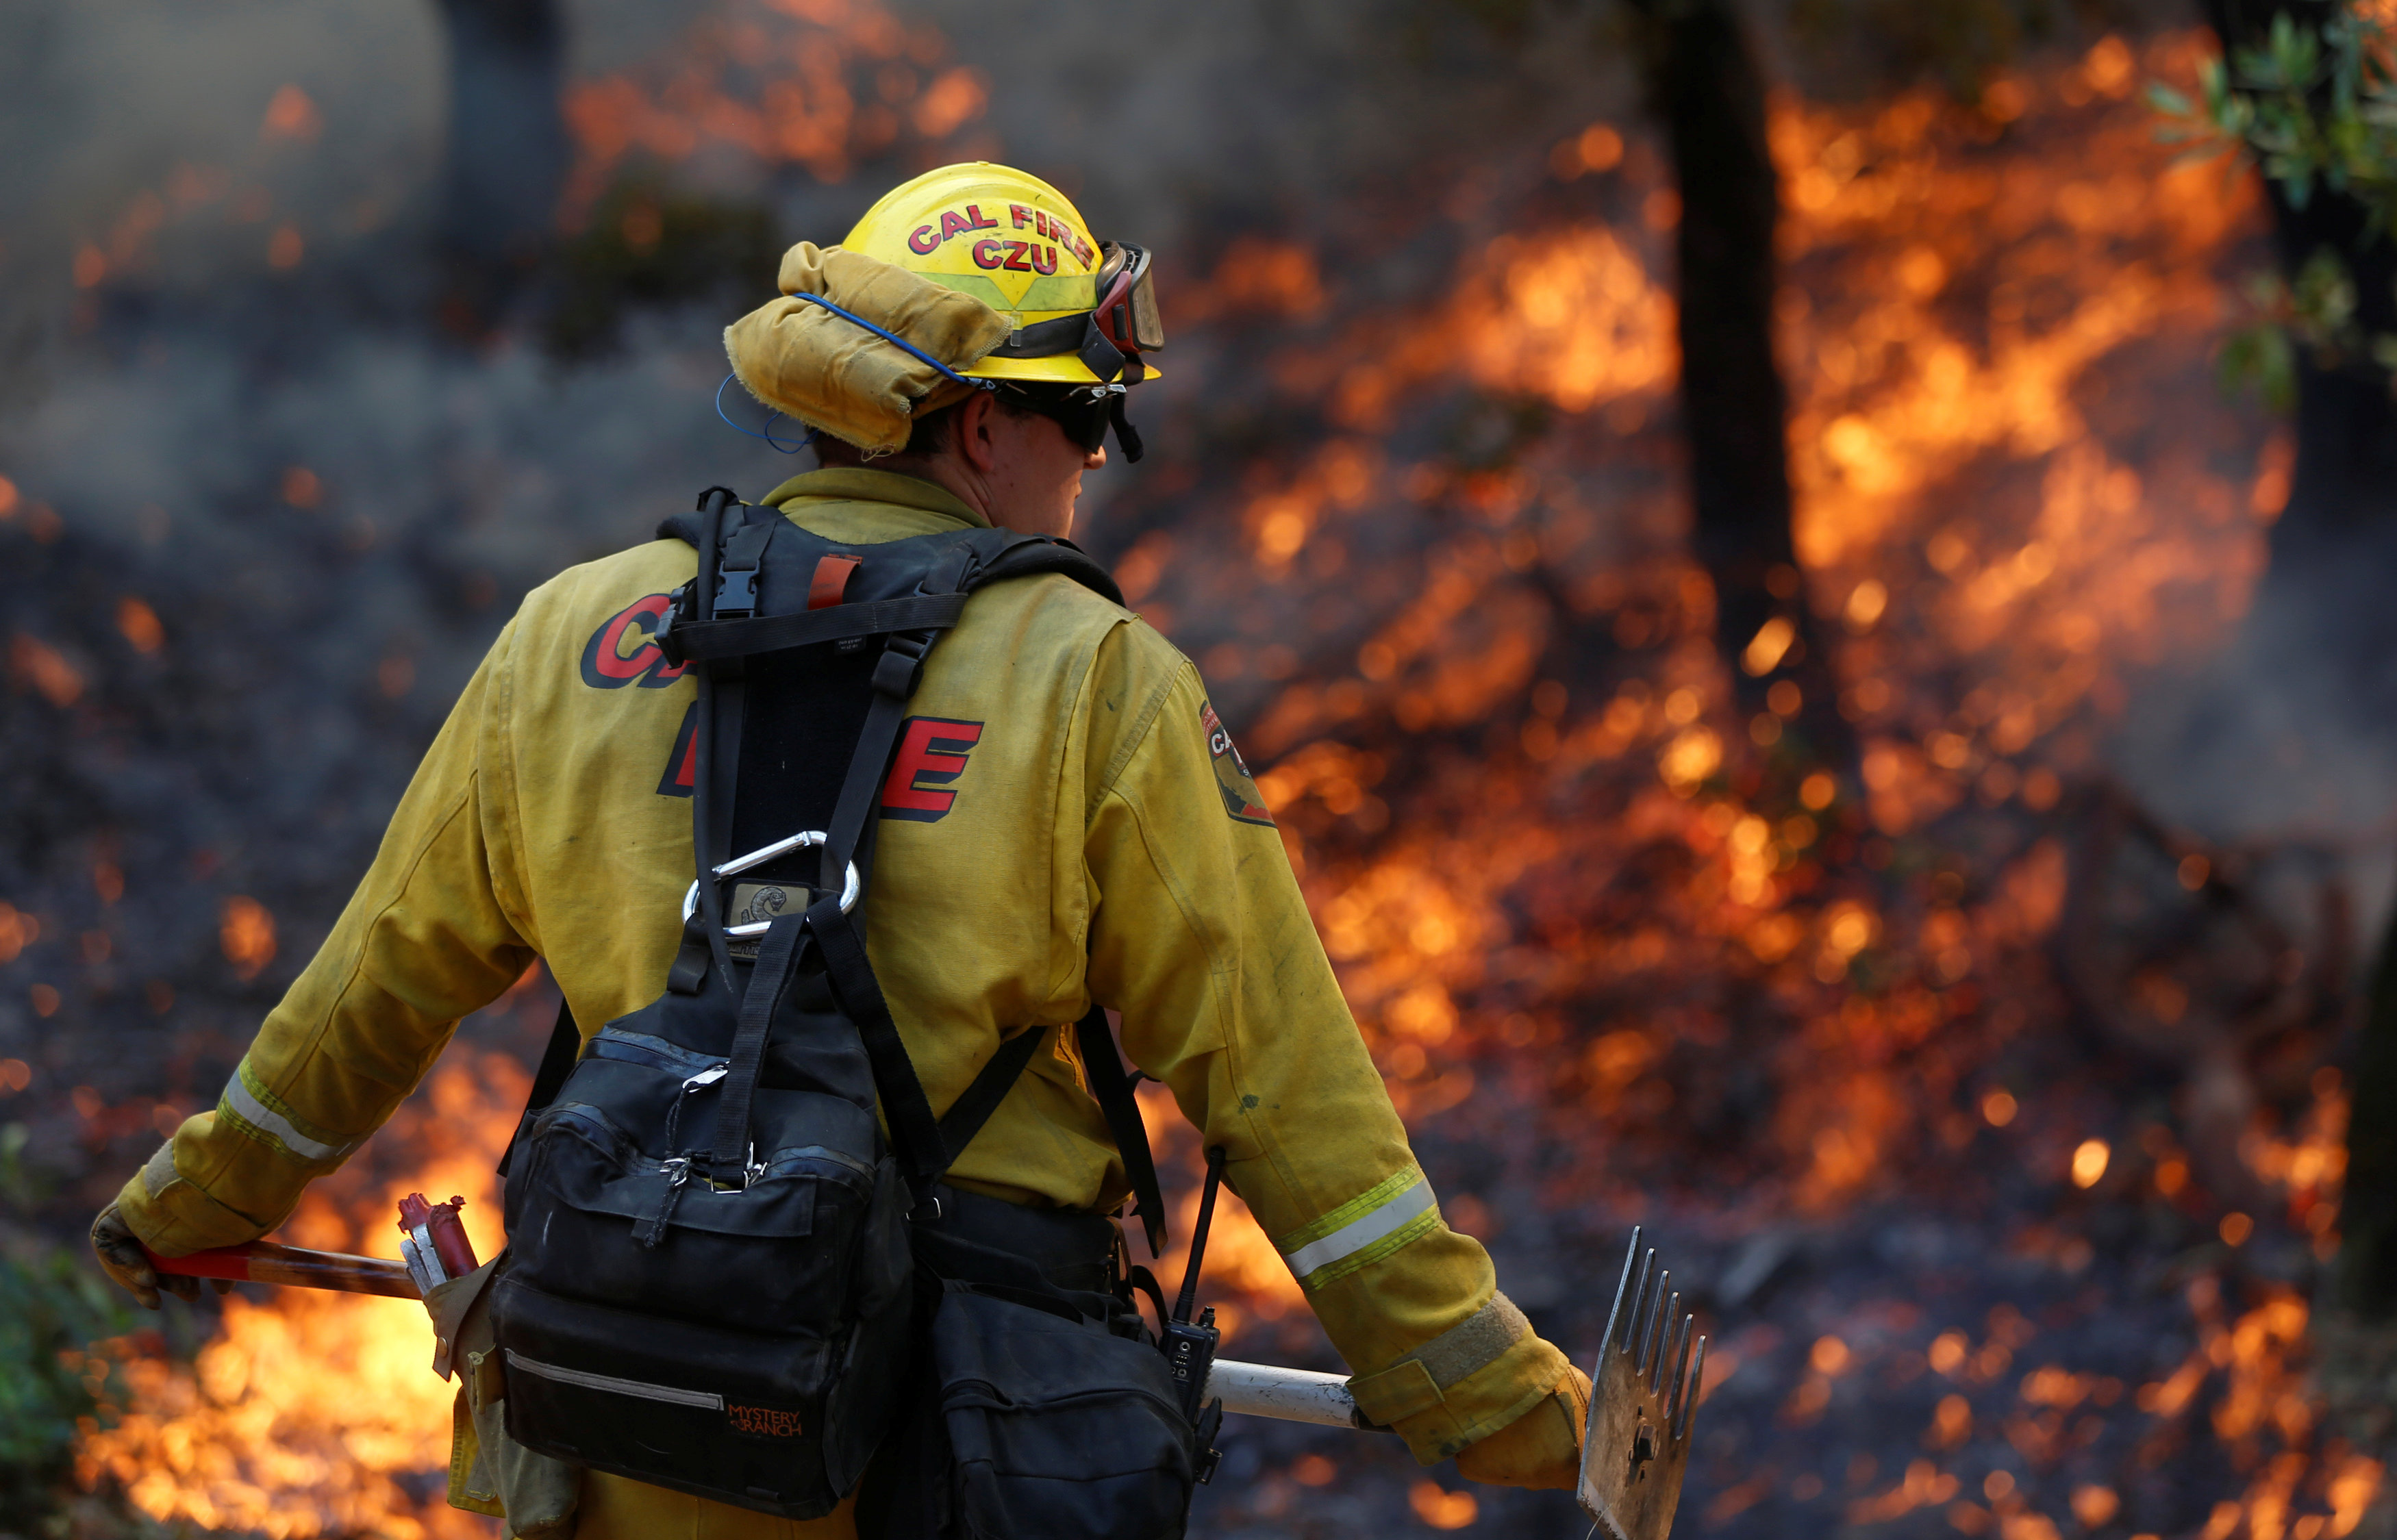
1241,797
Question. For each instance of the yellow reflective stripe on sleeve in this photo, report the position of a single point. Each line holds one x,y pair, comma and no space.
247,1107
1378,1221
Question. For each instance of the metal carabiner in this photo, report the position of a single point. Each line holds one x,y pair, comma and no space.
848,888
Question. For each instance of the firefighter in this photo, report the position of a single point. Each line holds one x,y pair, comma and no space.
1080,827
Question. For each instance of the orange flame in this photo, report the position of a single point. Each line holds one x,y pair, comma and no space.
299,1419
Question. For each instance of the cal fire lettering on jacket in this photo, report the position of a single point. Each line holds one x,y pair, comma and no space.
1241,796
606,664
933,752
682,765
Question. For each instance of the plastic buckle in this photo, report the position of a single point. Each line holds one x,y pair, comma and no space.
929,1210
736,593
664,638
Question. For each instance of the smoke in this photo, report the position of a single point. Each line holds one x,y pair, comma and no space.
1190,124
103,102
2280,743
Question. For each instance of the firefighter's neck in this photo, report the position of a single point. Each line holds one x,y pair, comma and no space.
1017,470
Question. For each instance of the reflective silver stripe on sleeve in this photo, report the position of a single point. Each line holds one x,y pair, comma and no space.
647,1392
1359,1233
258,1115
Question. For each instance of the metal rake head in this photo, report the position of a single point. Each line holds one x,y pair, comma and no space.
1643,1394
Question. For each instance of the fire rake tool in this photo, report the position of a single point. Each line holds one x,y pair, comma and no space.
1644,1390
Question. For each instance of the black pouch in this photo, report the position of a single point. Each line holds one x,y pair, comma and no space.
1057,1427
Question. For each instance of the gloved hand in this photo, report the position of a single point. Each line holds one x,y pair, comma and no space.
122,1258
1542,1448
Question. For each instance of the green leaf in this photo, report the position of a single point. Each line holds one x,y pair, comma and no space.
52,1308
2260,358
2201,153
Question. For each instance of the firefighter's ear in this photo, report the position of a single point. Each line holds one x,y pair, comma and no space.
972,433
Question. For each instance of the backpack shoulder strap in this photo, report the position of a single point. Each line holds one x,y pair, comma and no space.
972,1109
557,1062
1113,1087
1022,556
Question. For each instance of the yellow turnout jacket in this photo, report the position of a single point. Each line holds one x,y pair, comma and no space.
1077,824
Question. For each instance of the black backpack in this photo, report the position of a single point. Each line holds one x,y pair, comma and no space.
711,1283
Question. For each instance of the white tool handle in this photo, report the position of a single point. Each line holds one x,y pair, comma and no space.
1289,1395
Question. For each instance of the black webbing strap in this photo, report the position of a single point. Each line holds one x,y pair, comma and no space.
1045,339
973,1109
807,627
1126,435
1113,1089
768,982
915,1133
861,789
1078,335
896,673
710,825
557,1063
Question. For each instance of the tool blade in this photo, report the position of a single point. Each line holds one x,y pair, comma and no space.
1637,1448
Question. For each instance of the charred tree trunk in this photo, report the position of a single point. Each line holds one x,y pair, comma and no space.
2344,489
2321,619
2366,1279
506,155
1706,87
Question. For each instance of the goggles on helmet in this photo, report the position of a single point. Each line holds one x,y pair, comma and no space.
1109,338
1126,310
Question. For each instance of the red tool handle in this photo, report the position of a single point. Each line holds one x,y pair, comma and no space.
265,1262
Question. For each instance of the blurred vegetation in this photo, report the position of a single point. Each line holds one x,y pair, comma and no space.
2312,105
649,247
53,1306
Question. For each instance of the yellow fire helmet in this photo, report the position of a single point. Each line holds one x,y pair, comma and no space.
1084,310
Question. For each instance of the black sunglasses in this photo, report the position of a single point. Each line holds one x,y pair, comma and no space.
1084,412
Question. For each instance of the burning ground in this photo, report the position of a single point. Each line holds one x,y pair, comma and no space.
1993,1115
